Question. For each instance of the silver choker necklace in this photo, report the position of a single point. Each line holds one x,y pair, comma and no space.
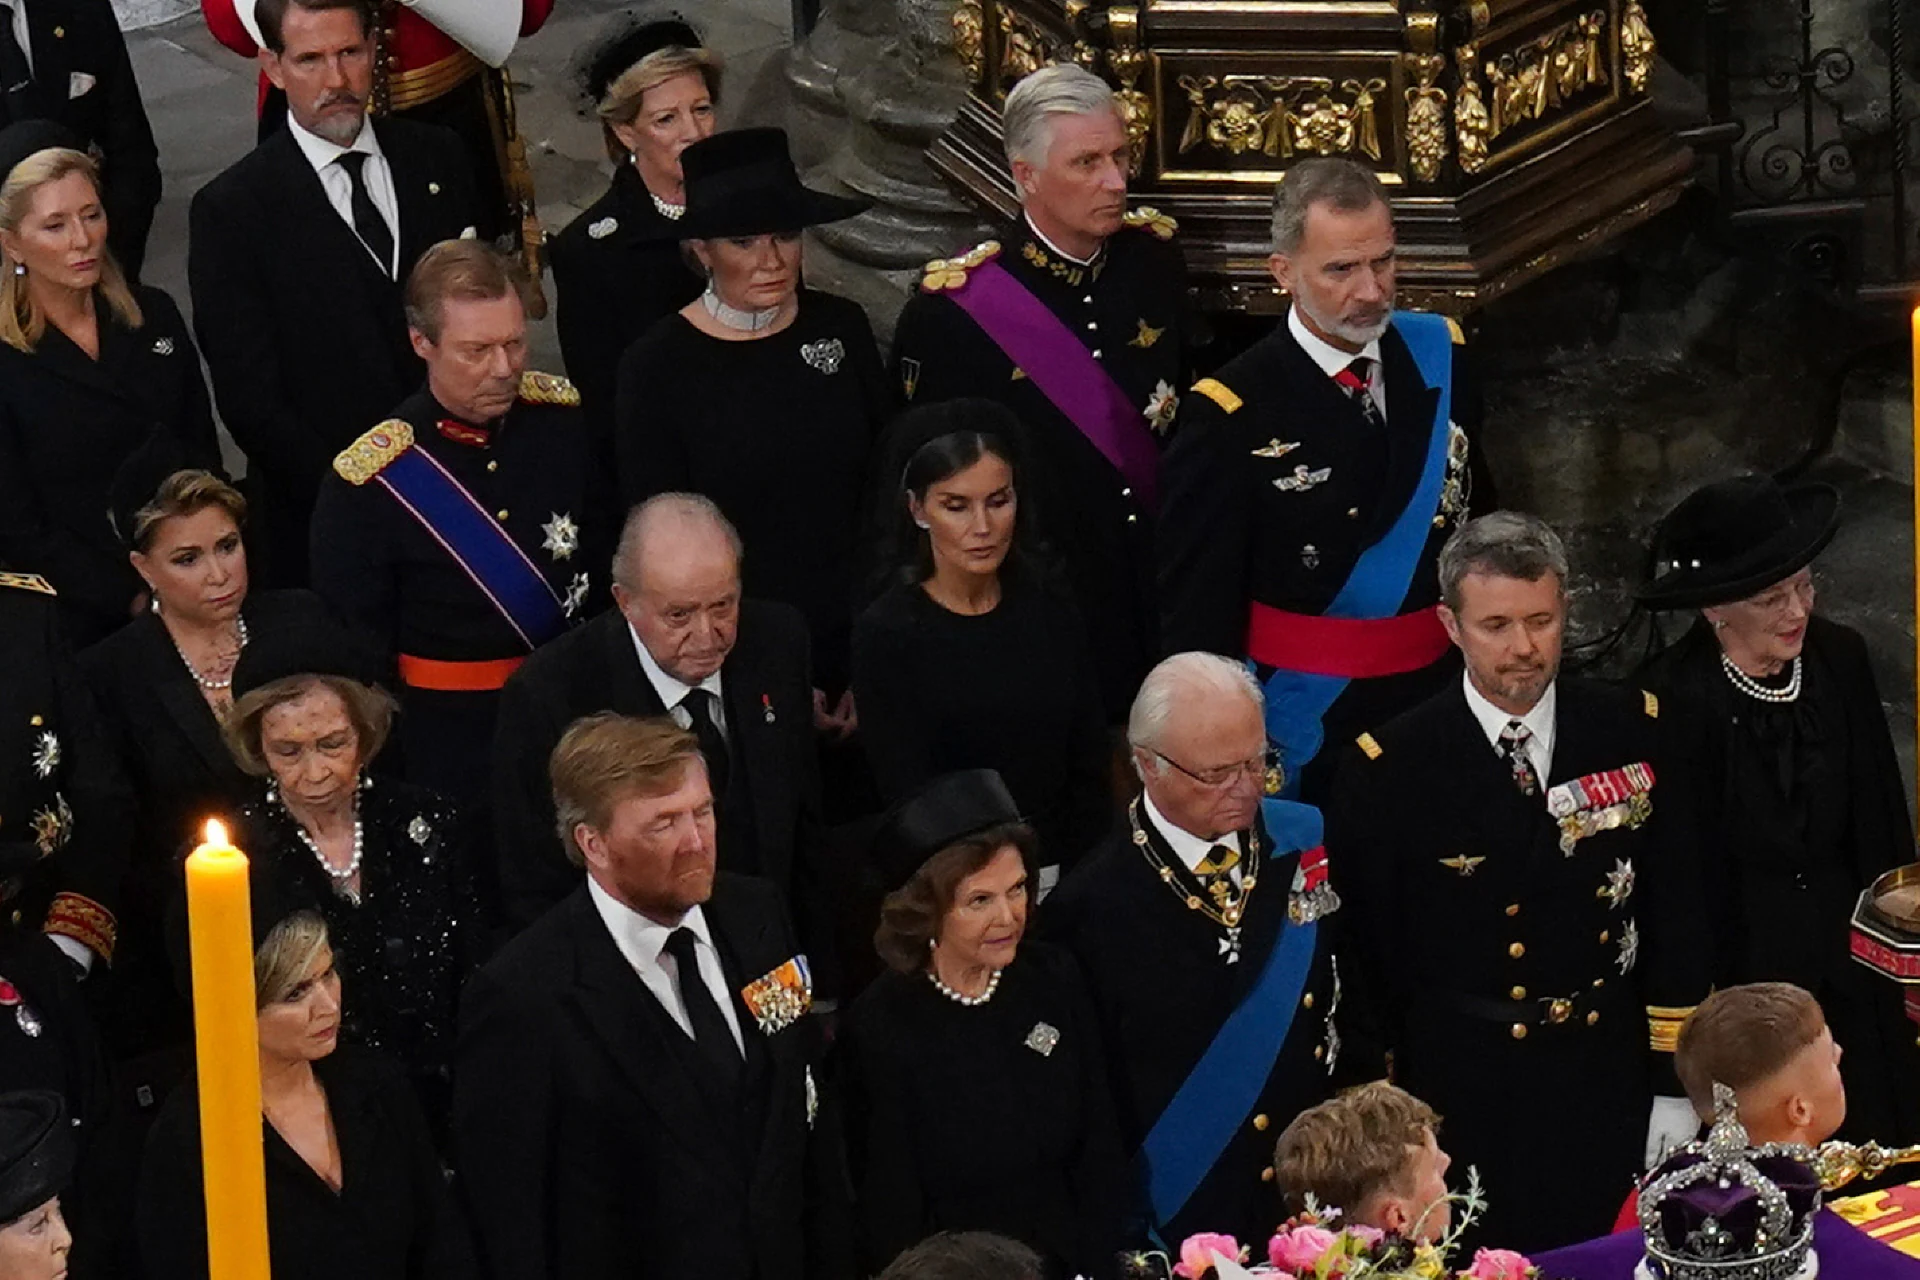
993,985
734,317
1746,684
668,210
207,682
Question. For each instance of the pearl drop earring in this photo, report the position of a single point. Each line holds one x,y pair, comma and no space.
921,524
19,268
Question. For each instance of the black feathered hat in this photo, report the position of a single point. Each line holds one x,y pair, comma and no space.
621,46
743,183
36,1151
946,810
1731,538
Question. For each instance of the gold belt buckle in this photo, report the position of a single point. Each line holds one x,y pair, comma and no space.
1559,1009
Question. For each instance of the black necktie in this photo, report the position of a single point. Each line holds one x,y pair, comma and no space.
710,1031
367,222
1357,381
16,73
713,743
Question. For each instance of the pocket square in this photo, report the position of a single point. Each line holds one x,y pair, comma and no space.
782,997
79,83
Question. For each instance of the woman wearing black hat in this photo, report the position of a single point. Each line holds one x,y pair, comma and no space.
617,270
354,1190
972,659
390,865
762,395
1800,794
89,365
977,1092
36,1162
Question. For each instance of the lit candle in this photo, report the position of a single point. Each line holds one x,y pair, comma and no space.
227,1040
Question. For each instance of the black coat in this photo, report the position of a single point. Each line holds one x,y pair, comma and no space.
1228,536
1162,987
1471,920
591,1142
1129,310
67,422
83,79
392,1219
304,335
770,818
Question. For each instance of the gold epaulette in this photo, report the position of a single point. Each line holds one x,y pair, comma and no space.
371,454
944,274
1651,704
1453,327
1663,1025
548,388
28,582
1148,218
1216,391
1368,747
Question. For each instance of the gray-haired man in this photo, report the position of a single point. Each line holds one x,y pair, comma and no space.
1518,878
1312,480
1073,318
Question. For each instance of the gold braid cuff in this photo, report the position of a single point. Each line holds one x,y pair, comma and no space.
79,917
1663,1025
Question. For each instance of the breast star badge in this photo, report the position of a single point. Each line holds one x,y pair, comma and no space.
562,536
576,594
1619,885
1161,406
1147,336
1629,948
46,755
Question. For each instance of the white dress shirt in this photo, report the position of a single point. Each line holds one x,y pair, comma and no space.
334,180
1332,359
644,944
1540,721
672,690
1189,848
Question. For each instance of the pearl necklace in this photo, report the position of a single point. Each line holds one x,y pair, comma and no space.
207,682
993,985
670,211
734,317
342,876
1754,689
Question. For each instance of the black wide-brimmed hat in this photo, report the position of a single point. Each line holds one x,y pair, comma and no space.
743,183
948,809
328,649
625,41
1734,537
36,1151
24,138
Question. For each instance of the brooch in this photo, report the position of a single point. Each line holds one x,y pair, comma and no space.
824,355
602,229
562,536
30,1024
419,830
778,1000
163,346
1043,1038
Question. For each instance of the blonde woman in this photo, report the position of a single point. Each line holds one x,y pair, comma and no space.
90,368
656,92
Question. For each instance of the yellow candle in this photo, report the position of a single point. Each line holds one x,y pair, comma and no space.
1916,503
228,1043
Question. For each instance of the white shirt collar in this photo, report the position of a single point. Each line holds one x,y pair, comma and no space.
1539,721
1186,846
642,941
670,689
1056,250
1330,358
320,152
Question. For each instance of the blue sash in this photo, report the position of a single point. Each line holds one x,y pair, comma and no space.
1225,1084
1297,700
477,544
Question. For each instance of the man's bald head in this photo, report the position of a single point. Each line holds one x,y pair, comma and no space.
676,578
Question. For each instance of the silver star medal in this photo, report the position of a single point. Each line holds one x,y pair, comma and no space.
1629,948
1619,886
562,536
824,355
46,755
576,594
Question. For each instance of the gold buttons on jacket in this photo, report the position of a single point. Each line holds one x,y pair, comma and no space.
493,464
1518,993
1519,1031
1319,1052
1593,1017
1266,1174
1517,950
1605,936
1513,909
1306,1001
1261,1122
501,514
1559,1010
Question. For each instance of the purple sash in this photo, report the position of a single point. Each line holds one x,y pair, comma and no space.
1056,361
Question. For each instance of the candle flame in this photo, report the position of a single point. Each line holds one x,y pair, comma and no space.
216,832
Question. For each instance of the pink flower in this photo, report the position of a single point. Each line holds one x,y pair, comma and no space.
1299,1249
1196,1253
1499,1264
1368,1236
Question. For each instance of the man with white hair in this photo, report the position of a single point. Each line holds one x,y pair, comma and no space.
1312,480
1203,933
1073,317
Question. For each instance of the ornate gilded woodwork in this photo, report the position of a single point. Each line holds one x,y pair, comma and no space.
1283,116
1636,46
1539,78
970,38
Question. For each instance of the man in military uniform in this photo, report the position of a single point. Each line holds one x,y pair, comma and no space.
1518,879
1073,319
455,533
1205,937
1311,482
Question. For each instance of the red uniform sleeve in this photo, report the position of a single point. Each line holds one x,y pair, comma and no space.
231,32
533,14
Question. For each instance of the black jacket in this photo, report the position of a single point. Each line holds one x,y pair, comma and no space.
66,424
770,819
304,336
83,79
1472,919
591,1141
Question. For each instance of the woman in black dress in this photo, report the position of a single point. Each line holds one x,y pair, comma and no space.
354,1190
36,1162
162,684
977,1095
388,864
89,366
1779,725
617,271
972,659
762,395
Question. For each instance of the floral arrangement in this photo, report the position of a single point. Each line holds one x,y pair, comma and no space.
1314,1246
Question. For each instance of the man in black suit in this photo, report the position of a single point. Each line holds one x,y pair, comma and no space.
1311,481
66,61
680,641
635,1093
296,259
1201,927
1519,878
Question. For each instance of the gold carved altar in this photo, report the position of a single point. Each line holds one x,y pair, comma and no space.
1512,134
